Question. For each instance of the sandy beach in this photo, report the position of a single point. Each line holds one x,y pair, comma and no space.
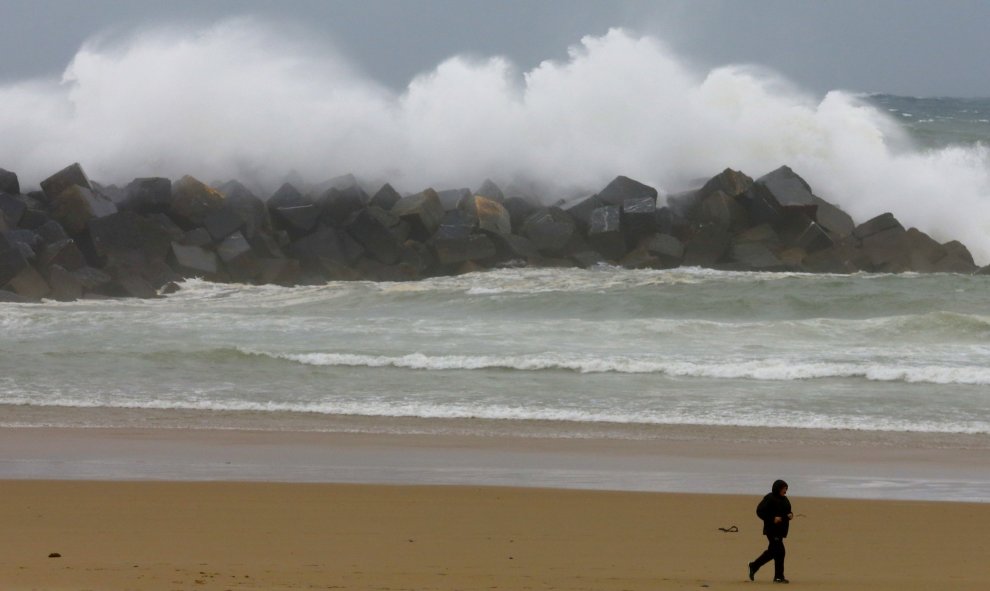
225,535
173,509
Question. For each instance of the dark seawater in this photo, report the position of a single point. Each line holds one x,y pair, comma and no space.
938,122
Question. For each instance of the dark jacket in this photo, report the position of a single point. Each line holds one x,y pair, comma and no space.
774,505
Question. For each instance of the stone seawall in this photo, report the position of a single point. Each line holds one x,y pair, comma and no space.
76,239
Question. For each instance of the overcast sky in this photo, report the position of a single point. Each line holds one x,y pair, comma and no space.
923,48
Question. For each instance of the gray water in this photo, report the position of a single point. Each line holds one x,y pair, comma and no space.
938,122
906,353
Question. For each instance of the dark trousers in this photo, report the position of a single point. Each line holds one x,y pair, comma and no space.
775,551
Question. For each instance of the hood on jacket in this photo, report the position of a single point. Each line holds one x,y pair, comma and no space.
778,486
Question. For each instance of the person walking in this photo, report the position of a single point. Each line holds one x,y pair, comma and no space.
775,511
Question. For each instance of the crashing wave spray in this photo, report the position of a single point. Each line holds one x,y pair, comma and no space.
236,100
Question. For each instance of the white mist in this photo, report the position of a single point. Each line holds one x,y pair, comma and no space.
241,100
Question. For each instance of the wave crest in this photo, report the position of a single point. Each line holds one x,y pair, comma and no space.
172,102
767,370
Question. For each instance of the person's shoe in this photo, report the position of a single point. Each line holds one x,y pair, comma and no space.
781,580
752,571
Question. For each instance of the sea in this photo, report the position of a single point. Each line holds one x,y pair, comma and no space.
573,350
684,346
938,122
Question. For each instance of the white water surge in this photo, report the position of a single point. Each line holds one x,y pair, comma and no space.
243,100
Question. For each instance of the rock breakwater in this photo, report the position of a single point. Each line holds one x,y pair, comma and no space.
77,239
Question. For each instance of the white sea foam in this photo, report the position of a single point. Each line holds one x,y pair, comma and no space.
390,408
526,281
238,100
549,280
783,370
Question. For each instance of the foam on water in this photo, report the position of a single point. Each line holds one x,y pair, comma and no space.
607,345
780,370
522,412
241,100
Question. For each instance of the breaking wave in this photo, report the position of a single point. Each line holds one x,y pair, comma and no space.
241,100
395,409
756,370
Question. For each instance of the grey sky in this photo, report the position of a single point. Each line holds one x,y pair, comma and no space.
904,47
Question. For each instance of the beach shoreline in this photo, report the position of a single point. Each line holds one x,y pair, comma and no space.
419,504
674,459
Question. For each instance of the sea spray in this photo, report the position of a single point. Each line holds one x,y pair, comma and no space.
239,100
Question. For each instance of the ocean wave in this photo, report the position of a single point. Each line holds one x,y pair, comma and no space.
235,295
801,291
713,287
536,281
783,370
725,293
951,323
499,412
14,318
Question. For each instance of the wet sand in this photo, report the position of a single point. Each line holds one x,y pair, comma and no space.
669,459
